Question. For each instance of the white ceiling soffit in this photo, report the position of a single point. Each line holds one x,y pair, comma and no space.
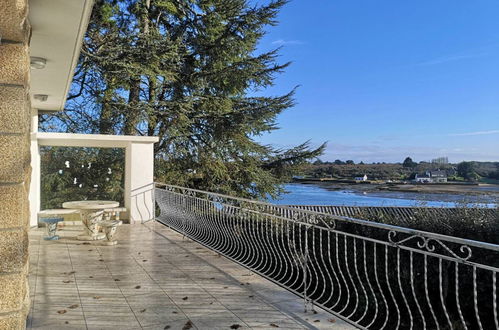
58,27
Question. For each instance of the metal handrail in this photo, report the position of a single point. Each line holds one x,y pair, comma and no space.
458,240
375,276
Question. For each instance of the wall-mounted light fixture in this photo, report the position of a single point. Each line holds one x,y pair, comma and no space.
38,62
40,97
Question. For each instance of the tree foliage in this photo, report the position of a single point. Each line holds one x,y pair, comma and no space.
69,174
408,162
190,73
467,170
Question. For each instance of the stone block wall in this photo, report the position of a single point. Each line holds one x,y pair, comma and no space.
14,163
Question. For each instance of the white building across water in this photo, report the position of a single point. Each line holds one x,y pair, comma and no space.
437,176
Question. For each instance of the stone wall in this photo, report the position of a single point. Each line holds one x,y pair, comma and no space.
14,163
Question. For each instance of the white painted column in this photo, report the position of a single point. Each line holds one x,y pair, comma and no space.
34,188
139,181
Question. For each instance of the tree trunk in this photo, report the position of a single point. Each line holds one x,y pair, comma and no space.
132,115
106,117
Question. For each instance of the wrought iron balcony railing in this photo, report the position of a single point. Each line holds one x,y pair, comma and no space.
373,275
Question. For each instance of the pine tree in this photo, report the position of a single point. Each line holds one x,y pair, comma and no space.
188,72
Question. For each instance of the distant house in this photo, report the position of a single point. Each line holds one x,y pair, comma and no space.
437,176
361,178
423,178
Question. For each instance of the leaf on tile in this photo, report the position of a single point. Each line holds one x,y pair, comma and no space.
73,306
251,296
101,259
273,325
185,298
137,287
116,279
225,287
142,310
71,272
235,326
90,277
332,320
144,260
62,311
166,327
67,281
67,322
159,255
174,312
317,320
187,325
97,297
314,311
86,243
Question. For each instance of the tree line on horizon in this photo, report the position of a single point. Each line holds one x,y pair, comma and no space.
462,171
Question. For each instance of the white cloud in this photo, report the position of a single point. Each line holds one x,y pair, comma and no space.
282,42
494,131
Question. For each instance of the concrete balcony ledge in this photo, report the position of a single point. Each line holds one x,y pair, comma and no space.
155,279
91,140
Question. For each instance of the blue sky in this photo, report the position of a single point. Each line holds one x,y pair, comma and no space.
382,80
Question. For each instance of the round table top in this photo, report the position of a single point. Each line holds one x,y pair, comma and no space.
90,205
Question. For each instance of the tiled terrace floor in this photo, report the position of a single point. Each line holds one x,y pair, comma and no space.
154,279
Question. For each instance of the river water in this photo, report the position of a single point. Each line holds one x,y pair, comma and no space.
312,194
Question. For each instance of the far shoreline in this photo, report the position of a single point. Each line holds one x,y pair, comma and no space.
476,189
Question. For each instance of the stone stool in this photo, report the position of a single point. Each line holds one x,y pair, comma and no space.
51,224
109,227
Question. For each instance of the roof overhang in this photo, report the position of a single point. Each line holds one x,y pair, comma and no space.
58,28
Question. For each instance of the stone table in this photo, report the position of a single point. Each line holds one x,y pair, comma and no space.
91,213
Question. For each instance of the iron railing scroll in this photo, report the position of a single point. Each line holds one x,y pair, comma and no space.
374,276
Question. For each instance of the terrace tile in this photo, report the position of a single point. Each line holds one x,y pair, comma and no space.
154,279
